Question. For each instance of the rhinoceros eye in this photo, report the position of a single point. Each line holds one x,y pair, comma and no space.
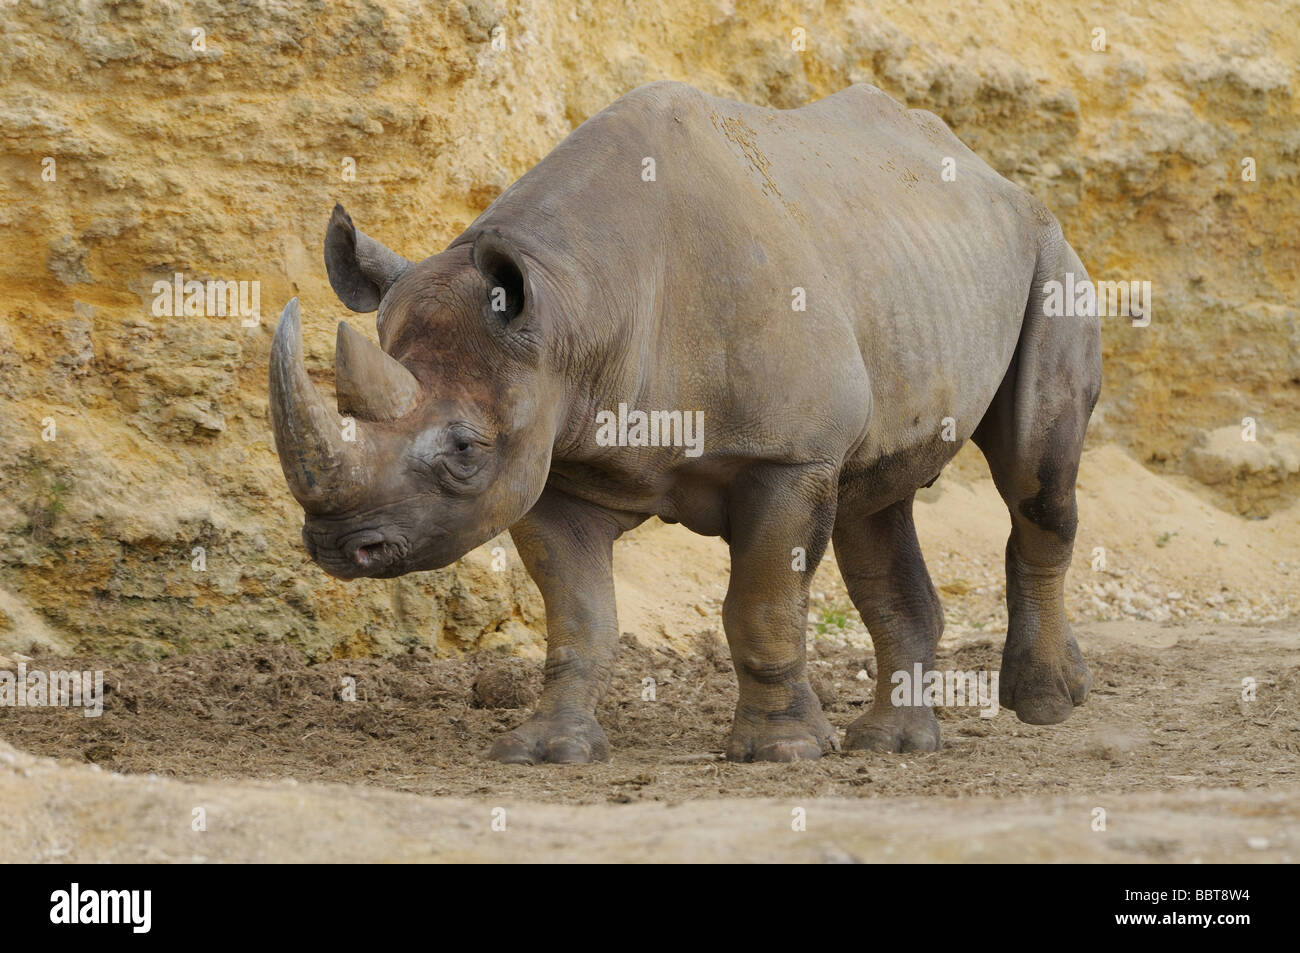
465,452
451,455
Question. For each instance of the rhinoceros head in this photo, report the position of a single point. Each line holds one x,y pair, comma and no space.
441,441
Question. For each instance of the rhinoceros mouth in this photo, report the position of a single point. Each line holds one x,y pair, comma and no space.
367,553
376,555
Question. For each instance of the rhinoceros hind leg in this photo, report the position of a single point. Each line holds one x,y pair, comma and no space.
880,559
775,513
1032,437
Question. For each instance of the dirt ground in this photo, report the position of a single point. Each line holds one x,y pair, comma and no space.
57,812
1165,714
1185,769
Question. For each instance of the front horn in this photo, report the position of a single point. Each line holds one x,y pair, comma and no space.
324,471
369,383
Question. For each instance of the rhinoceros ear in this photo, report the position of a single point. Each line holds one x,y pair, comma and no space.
361,270
503,269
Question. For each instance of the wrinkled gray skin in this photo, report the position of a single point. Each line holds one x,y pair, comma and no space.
923,303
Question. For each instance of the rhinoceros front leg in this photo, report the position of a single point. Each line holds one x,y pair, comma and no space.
567,548
780,521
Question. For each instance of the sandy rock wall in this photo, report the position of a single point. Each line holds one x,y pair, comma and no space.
211,138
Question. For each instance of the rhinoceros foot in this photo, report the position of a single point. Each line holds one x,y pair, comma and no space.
1044,690
569,737
894,729
784,736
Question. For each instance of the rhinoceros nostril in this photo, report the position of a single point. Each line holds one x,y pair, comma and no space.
366,555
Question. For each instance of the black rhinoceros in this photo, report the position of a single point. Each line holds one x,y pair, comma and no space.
846,293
